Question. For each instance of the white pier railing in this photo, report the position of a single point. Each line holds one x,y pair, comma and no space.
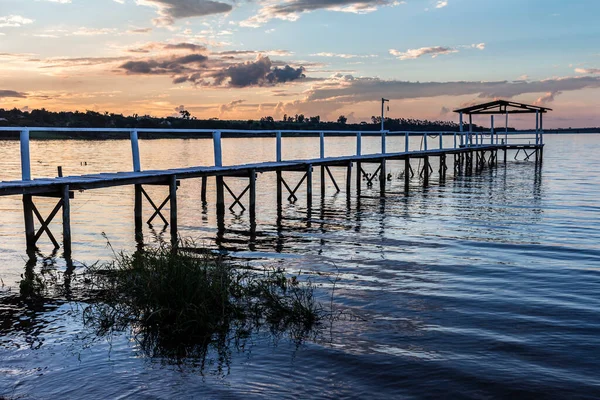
430,140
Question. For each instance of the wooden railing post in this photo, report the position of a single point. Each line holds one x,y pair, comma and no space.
25,157
406,142
278,146
135,151
425,141
383,135
359,143
217,148
441,140
322,145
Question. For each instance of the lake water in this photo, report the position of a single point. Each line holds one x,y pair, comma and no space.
483,286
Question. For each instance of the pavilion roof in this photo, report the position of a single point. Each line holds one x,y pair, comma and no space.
503,107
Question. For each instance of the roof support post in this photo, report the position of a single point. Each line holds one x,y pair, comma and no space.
506,128
542,128
537,127
470,138
461,128
492,130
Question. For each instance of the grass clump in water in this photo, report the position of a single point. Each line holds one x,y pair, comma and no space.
179,301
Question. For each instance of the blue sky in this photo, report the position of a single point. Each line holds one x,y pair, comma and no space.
248,59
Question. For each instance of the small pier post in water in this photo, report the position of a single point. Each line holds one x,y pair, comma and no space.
29,224
407,170
203,192
66,208
426,171
138,213
348,182
252,185
309,188
219,178
382,178
173,208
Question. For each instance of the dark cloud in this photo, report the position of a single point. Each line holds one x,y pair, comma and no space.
199,70
12,93
299,6
350,89
256,73
170,66
171,10
185,46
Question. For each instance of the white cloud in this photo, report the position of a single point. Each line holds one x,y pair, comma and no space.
342,55
291,10
83,31
434,51
589,71
14,21
412,54
59,1
441,4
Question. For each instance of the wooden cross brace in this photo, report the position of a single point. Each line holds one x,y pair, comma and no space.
527,156
236,199
371,177
157,210
428,172
46,222
337,188
292,197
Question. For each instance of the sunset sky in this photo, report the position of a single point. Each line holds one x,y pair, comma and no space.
248,59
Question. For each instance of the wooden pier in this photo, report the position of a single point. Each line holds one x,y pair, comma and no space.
469,153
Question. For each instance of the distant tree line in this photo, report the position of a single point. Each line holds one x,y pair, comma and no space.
93,119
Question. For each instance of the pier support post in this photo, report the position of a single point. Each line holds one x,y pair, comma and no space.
137,213
203,193
29,225
66,209
426,171
322,181
382,178
348,181
173,208
309,188
252,197
443,167
279,189
358,178
406,174
220,195
505,156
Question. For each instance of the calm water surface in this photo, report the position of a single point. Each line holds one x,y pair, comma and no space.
486,286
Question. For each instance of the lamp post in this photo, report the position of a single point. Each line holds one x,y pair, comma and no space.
382,111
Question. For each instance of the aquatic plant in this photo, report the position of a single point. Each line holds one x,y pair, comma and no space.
180,302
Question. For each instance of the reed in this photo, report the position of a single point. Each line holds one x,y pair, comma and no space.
179,300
